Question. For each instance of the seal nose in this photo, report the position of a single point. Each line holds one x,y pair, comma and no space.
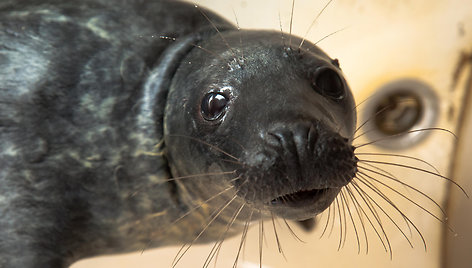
315,155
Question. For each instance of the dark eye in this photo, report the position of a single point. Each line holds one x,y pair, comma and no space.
213,106
327,82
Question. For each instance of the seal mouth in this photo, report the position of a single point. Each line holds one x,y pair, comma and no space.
300,198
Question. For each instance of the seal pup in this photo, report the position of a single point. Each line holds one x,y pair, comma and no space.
112,135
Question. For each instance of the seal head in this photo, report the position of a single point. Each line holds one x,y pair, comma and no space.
278,118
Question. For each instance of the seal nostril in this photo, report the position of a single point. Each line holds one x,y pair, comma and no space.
312,138
274,138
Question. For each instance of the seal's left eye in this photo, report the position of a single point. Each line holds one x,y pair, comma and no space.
213,106
328,82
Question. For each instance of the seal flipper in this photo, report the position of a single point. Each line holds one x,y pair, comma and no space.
307,225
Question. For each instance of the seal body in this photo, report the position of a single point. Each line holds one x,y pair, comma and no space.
134,124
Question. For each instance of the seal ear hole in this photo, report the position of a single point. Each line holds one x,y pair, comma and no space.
213,106
328,82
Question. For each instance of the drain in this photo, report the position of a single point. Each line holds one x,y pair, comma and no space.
396,110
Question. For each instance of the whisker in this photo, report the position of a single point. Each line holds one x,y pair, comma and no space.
345,207
406,132
182,216
381,170
361,194
194,45
329,35
327,221
372,117
240,34
313,23
187,246
235,179
363,134
227,229
217,253
218,32
261,238
418,169
282,32
406,218
292,232
392,177
403,156
291,24
221,238
279,245
377,113
334,219
200,205
369,203
384,197
362,102
201,175
403,184
340,223
361,219
205,143
416,204
141,188
243,238
231,161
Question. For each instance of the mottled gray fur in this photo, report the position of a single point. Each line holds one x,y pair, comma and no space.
71,75
103,102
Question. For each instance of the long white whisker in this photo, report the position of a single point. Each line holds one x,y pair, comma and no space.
384,197
187,246
404,133
418,169
202,175
313,23
218,32
279,245
221,238
291,24
361,195
359,215
205,143
402,156
243,238
402,183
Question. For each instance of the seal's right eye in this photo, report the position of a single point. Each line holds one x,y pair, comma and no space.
213,106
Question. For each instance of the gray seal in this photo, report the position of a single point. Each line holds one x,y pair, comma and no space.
135,124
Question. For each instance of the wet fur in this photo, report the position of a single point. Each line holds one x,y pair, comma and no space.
68,193
41,138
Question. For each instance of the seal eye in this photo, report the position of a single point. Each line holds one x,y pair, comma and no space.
327,82
213,106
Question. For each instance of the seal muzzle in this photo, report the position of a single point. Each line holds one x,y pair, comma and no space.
303,167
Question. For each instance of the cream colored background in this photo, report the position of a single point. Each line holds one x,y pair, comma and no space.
382,41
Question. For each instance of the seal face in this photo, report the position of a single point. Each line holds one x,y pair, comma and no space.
280,117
